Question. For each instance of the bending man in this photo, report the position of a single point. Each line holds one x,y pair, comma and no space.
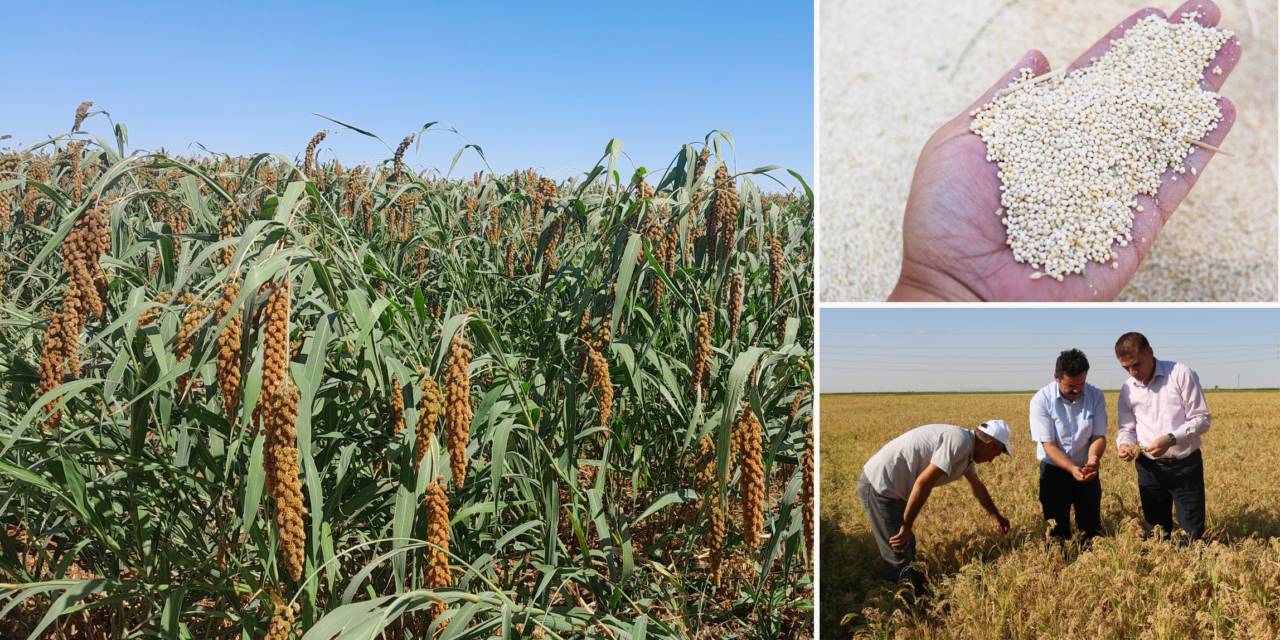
896,483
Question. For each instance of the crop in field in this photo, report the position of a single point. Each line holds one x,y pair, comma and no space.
988,585
232,345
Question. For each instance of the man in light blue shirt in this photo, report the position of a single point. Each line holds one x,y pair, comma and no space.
1069,426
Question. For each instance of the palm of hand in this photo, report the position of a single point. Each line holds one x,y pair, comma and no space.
958,234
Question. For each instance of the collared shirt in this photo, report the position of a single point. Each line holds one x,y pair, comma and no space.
1070,424
1172,402
894,469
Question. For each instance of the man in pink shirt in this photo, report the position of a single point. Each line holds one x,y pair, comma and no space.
1161,416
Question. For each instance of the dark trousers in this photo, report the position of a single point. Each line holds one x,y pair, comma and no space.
1164,484
885,515
1060,492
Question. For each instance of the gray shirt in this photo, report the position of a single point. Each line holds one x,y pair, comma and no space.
893,470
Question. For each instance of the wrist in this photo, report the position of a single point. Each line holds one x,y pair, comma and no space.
1173,440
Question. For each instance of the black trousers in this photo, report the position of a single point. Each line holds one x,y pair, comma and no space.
1164,484
1060,492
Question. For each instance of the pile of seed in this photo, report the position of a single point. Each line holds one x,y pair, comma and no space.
1074,154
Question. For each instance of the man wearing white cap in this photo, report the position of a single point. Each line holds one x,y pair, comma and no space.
897,481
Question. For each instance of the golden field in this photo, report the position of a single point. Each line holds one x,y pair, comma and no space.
987,585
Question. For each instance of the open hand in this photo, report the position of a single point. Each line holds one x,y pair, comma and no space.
954,243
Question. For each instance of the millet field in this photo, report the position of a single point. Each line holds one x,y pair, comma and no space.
268,397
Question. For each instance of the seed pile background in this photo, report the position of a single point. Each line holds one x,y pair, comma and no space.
1075,153
934,58
307,397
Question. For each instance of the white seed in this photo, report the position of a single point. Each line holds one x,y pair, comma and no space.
1074,153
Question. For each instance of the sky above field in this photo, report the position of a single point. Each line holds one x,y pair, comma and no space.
1015,349
545,85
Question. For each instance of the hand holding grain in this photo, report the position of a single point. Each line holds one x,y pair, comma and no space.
954,241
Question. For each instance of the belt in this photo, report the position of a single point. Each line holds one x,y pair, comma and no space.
1169,461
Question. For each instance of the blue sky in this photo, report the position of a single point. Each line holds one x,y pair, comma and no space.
535,84
1014,349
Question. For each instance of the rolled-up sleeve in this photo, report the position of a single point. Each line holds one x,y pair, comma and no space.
1193,401
1099,416
1042,429
1126,424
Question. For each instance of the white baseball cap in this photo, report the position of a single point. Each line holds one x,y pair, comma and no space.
999,430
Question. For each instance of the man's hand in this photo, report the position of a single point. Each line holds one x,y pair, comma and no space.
1160,446
1002,523
1079,474
1128,452
900,539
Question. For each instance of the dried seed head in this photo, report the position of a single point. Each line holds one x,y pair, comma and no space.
197,311
6,209
275,340
229,349
430,409
438,534
701,353
398,161
149,316
282,618
643,190
74,150
309,164
397,406
266,176
228,228
600,381
284,483
457,398
736,289
723,221
82,112
746,435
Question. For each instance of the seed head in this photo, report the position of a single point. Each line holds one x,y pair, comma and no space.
600,381
229,349
430,409
438,534
82,112
457,399
284,484
701,353
736,288
746,435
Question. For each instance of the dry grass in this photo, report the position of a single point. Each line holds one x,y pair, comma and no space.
986,585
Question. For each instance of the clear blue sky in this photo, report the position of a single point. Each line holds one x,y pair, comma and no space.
543,84
1015,349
